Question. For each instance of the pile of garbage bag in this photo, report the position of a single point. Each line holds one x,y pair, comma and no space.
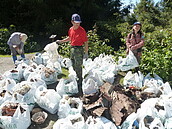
141,101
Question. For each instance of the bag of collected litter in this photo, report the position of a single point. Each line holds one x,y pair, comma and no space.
133,79
168,123
47,99
66,63
129,122
93,123
108,76
22,60
39,117
14,115
56,66
95,76
153,83
168,107
13,74
7,84
99,123
28,71
51,49
69,106
70,122
37,58
127,63
21,67
36,81
47,74
4,96
67,86
24,92
166,88
89,86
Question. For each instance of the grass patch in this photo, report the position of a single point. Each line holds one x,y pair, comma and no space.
64,74
10,55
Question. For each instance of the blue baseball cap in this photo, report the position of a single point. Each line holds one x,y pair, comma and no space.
137,23
76,18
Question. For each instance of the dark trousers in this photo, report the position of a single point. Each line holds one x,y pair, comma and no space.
77,62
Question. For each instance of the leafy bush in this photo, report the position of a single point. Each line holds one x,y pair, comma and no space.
157,54
4,35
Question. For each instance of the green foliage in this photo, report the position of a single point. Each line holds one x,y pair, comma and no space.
64,49
97,46
57,26
4,35
157,54
108,30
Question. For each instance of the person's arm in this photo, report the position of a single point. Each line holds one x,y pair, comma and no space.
86,47
128,44
140,44
67,39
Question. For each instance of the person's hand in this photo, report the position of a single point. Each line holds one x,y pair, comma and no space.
15,46
86,56
19,51
58,41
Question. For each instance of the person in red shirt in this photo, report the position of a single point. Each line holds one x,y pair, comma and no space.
77,37
135,41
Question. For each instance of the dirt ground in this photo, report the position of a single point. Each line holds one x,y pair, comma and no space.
6,63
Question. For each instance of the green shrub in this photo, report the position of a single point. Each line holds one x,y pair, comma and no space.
4,35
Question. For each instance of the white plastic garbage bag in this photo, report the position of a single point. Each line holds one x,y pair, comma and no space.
47,99
13,74
36,81
24,92
89,86
128,63
133,79
51,49
70,122
38,58
28,71
48,75
153,83
67,86
66,63
69,106
4,96
7,84
168,123
56,66
19,120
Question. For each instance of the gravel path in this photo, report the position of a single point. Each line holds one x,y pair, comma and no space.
6,63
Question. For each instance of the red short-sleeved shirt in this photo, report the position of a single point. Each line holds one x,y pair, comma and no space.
78,36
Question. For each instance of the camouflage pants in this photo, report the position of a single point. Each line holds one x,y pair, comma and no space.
77,62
